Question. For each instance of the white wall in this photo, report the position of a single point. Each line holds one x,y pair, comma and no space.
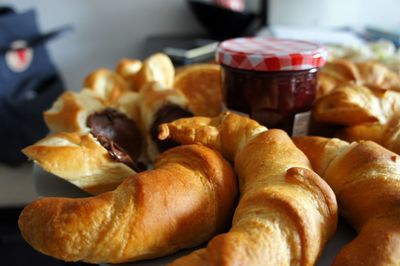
105,30
354,13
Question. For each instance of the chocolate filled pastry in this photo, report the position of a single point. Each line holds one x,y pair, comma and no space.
71,110
286,212
366,180
102,120
158,105
96,161
187,198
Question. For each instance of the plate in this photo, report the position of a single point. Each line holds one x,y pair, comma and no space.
47,184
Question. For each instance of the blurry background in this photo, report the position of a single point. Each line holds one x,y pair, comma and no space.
106,31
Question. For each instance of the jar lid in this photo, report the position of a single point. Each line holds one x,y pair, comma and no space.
270,54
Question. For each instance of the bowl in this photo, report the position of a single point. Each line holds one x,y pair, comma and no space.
219,22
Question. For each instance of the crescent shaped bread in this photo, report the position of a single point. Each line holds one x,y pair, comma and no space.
366,179
79,159
352,104
183,202
377,74
335,73
286,212
227,132
387,135
368,73
201,84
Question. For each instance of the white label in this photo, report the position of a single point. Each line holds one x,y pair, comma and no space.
301,124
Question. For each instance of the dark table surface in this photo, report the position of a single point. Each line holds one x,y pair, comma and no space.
14,251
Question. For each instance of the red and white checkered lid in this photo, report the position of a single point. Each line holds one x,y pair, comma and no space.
270,54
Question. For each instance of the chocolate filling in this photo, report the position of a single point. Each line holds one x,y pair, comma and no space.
166,114
119,135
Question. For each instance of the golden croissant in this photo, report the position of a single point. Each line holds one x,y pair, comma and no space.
370,73
184,201
351,104
366,180
387,135
286,212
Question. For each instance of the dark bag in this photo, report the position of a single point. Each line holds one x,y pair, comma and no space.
29,83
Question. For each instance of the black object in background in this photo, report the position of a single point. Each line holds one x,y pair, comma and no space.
221,23
29,82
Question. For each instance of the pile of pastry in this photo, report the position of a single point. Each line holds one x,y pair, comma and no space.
253,195
361,100
108,130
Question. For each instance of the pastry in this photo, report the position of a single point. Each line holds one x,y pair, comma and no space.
366,180
156,68
201,84
95,161
387,135
184,201
352,104
369,73
286,212
128,70
107,84
71,110
335,73
158,105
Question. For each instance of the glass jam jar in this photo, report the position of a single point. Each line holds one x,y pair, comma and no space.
272,80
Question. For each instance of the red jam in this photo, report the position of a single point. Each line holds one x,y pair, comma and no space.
272,80
272,98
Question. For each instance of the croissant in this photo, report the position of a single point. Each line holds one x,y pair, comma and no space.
369,73
352,104
185,200
286,213
335,73
387,135
366,180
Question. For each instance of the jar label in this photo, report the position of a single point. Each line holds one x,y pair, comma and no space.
301,124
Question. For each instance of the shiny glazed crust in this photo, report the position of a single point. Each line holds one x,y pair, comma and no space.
286,212
366,180
185,200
